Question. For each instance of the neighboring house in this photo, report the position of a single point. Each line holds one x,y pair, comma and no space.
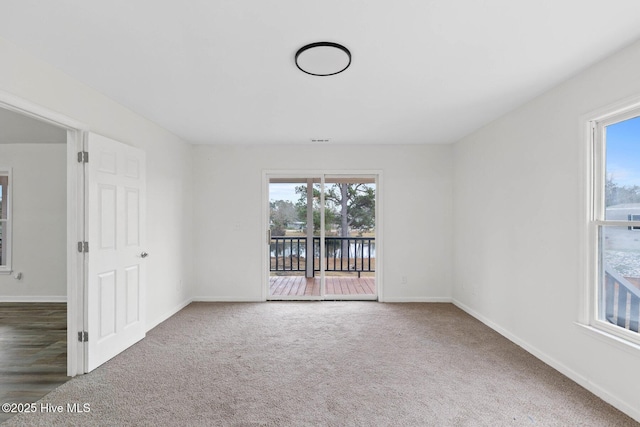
624,212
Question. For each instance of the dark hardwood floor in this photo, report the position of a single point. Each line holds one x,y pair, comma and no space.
33,351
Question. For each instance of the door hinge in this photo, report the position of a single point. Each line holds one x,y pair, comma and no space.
83,157
83,336
83,247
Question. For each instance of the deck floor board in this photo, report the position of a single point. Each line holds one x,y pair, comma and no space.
339,285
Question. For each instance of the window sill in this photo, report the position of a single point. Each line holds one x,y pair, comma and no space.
5,272
610,339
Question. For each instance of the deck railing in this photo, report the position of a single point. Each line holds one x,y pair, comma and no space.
288,253
342,254
622,301
353,254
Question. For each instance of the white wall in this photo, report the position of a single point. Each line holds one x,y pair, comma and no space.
416,193
39,251
517,234
169,178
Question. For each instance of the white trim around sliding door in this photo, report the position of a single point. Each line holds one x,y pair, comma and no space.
320,174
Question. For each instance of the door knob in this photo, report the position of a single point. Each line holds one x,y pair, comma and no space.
144,255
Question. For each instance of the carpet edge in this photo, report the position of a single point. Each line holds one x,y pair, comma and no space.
614,401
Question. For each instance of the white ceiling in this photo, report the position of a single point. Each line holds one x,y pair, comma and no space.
423,71
19,129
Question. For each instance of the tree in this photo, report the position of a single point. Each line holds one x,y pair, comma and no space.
357,206
301,208
282,216
348,206
616,195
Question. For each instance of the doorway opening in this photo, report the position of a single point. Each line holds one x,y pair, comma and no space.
34,257
322,237
121,197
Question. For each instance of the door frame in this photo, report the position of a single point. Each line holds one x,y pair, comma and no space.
75,221
301,173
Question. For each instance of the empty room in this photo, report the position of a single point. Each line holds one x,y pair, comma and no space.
320,213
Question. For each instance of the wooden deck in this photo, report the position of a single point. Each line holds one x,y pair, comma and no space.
335,285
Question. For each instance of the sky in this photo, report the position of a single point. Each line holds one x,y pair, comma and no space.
623,152
283,192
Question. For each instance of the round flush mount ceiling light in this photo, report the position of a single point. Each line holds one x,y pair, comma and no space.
323,58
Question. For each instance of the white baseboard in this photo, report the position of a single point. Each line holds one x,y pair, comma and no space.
631,410
57,299
168,314
418,299
252,299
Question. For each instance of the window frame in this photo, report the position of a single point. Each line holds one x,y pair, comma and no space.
597,221
7,223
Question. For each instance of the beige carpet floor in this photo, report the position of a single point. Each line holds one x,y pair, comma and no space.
325,364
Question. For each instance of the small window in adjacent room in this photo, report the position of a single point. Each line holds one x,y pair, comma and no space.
5,220
615,225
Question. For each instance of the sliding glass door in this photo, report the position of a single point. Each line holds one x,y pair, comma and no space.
321,237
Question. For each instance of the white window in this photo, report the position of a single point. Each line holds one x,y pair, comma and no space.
5,220
614,225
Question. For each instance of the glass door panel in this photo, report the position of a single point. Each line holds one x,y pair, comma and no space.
350,237
294,210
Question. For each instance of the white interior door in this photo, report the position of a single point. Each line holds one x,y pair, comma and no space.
115,227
